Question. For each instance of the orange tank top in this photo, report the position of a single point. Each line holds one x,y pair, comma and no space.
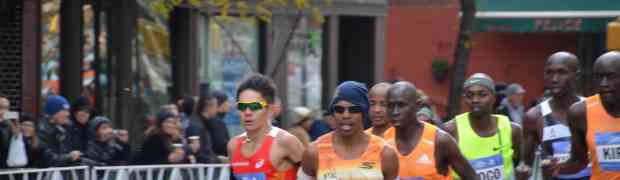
603,140
389,133
367,166
420,163
258,166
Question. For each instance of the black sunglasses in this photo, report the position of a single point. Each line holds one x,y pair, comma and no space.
351,109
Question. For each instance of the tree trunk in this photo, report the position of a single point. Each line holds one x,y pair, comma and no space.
461,56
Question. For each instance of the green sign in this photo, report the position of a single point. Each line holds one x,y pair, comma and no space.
542,25
545,15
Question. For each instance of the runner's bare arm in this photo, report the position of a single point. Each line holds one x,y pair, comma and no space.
532,135
294,148
231,146
310,161
450,154
516,141
389,163
579,149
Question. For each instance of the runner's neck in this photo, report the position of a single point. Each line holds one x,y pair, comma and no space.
259,134
563,102
407,133
483,123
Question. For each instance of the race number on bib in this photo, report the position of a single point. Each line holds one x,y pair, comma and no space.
561,150
489,168
251,176
608,150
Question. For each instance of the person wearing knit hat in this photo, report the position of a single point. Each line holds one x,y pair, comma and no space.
156,148
81,113
348,152
108,147
482,135
54,135
57,108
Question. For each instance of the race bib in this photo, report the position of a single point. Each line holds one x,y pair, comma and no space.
561,150
489,168
555,132
608,150
251,176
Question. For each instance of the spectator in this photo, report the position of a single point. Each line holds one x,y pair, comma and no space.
151,124
52,131
320,128
223,104
160,148
206,112
216,127
5,106
34,149
171,108
187,106
512,106
301,122
81,112
427,112
108,147
277,110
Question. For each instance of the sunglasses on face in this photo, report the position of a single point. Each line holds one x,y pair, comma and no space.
253,105
351,109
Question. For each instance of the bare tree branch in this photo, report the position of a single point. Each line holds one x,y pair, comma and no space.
236,44
291,34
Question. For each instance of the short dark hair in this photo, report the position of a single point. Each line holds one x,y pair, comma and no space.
188,105
261,84
203,102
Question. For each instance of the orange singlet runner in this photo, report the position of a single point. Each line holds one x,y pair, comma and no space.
367,166
258,166
603,140
420,163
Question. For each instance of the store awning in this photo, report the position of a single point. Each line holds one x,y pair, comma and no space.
545,15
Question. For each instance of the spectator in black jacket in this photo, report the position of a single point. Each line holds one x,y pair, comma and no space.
162,146
34,149
216,127
197,127
109,147
52,131
81,112
5,130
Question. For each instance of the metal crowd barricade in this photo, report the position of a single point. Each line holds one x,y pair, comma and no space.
60,173
163,172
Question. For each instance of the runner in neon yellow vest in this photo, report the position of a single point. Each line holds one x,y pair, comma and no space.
490,142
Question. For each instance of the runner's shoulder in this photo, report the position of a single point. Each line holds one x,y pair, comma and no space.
449,127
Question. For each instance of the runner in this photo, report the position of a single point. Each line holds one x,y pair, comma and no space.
349,152
595,124
490,142
417,142
379,120
545,126
263,151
